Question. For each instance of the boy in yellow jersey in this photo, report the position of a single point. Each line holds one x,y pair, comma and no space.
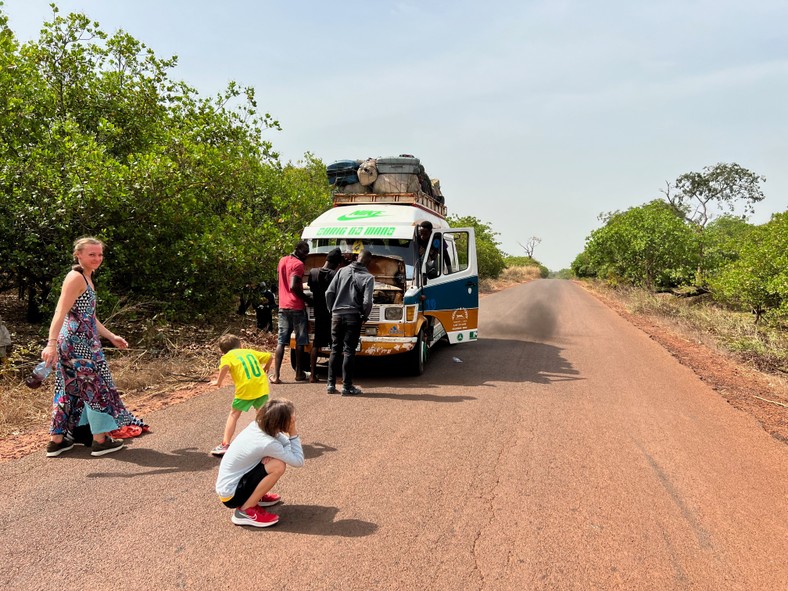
249,371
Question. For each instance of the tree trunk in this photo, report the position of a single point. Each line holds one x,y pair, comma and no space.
33,314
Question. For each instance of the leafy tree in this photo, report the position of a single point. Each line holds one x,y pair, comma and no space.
722,187
758,279
649,246
96,138
722,240
490,258
697,195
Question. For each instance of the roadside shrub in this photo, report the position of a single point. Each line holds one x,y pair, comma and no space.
758,280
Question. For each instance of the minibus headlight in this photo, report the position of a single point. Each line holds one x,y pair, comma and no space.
394,313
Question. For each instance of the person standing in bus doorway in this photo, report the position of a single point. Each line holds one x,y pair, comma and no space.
349,297
423,233
319,280
292,310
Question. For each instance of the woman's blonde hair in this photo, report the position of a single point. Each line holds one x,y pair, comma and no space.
81,243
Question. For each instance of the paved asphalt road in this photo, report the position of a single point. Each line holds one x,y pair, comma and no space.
566,451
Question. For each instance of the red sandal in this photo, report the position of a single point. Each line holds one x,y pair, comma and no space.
126,432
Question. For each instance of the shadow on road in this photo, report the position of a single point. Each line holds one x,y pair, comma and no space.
494,360
316,520
416,397
188,459
315,450
502,360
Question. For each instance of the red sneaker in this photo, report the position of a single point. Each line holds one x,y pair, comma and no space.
254,516
269,499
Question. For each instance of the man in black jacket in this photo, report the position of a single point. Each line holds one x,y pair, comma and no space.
349,297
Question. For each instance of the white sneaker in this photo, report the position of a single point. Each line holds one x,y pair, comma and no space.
220,449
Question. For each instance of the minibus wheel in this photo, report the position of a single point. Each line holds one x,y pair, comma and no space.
417,357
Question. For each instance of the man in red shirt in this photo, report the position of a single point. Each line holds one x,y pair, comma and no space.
292,309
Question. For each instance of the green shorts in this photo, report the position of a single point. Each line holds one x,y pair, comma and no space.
244,405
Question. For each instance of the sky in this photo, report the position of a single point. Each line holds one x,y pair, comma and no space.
536,115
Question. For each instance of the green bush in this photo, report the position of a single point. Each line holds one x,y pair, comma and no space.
97,139
649,246
758,279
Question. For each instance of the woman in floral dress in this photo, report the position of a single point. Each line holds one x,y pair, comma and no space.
85,393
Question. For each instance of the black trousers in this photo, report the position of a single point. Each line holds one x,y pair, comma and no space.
345,333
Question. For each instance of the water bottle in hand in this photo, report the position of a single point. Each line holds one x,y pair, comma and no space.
40,373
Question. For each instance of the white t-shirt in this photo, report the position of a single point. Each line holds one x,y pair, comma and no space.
248,449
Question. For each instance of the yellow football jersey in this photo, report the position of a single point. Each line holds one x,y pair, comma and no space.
247,368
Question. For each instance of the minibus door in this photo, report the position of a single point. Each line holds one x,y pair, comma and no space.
451,283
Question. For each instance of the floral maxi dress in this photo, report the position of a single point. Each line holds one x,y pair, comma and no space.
82,376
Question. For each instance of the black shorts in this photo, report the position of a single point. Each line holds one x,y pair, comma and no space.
246,486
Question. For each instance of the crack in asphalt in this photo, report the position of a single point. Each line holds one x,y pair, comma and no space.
703,537
506,445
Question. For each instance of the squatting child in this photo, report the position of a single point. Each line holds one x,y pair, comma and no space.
249,371
256,460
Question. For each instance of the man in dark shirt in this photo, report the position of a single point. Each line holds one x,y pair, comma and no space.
319,279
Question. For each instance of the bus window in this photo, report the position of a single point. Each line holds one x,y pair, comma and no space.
460,250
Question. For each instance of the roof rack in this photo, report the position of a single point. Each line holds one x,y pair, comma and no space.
420,199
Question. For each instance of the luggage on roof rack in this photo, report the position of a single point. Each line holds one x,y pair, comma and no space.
399,165
343,172
389,175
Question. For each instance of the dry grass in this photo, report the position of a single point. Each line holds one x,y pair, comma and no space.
510,276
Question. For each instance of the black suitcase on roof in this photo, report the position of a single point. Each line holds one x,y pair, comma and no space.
343,172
